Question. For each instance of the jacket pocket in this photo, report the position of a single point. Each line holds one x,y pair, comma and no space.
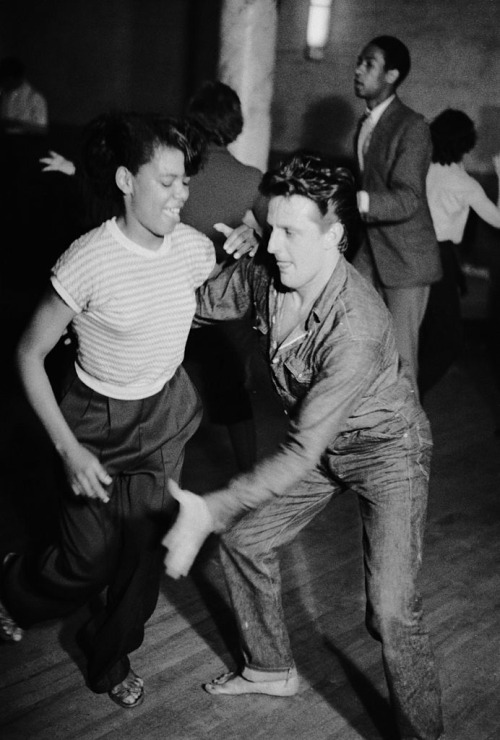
298,376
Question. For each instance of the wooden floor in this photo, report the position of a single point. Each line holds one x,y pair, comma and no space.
190,637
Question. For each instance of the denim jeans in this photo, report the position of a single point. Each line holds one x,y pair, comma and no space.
388,469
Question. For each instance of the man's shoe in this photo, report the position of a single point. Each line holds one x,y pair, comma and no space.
234,684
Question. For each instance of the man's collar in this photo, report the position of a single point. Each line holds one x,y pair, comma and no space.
376,113
213,147
328,295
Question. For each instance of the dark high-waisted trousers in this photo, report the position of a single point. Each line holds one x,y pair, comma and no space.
114,546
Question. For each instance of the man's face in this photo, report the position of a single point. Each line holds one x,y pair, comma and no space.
156,195
298,240
370,75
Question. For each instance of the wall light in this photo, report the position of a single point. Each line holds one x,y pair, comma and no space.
318,28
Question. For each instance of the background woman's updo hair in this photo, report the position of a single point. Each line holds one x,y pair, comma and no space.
453,134
215,109
130,140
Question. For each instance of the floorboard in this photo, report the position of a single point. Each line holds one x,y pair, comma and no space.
190,638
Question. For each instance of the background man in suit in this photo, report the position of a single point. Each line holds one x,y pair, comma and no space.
23,110
393,147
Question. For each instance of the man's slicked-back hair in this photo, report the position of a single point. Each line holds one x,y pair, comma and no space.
332,188
396,55
216,109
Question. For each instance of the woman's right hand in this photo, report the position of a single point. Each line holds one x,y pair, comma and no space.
85,473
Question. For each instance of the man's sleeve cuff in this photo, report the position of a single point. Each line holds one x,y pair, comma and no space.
363,201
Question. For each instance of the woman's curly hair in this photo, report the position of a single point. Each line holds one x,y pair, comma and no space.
216,109
453,134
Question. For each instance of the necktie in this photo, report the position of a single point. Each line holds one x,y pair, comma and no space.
365,130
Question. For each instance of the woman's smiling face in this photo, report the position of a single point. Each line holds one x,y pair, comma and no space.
155,196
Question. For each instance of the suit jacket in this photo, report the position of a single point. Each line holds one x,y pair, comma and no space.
399,231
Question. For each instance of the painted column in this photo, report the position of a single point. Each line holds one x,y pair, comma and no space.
246,63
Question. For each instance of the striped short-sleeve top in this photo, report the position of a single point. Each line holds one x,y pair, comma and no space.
134,306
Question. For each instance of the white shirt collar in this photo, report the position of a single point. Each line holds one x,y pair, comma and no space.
376,112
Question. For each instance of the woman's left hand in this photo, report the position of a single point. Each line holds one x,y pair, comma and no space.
239,241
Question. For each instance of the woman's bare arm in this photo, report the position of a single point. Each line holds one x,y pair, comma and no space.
85,473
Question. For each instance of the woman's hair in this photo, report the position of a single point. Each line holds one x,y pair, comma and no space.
130,140
216,109
453,134
331,188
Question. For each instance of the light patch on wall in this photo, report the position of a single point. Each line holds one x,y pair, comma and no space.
318,28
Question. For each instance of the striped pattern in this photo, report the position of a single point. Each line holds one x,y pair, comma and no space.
134,306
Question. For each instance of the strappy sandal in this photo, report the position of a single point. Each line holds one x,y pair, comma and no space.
9,630
129,693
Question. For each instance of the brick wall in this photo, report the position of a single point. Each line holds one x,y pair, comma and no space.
455,47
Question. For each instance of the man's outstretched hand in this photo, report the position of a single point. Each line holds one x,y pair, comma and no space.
191,528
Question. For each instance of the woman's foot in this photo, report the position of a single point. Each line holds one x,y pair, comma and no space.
129,693
233,684
9,630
